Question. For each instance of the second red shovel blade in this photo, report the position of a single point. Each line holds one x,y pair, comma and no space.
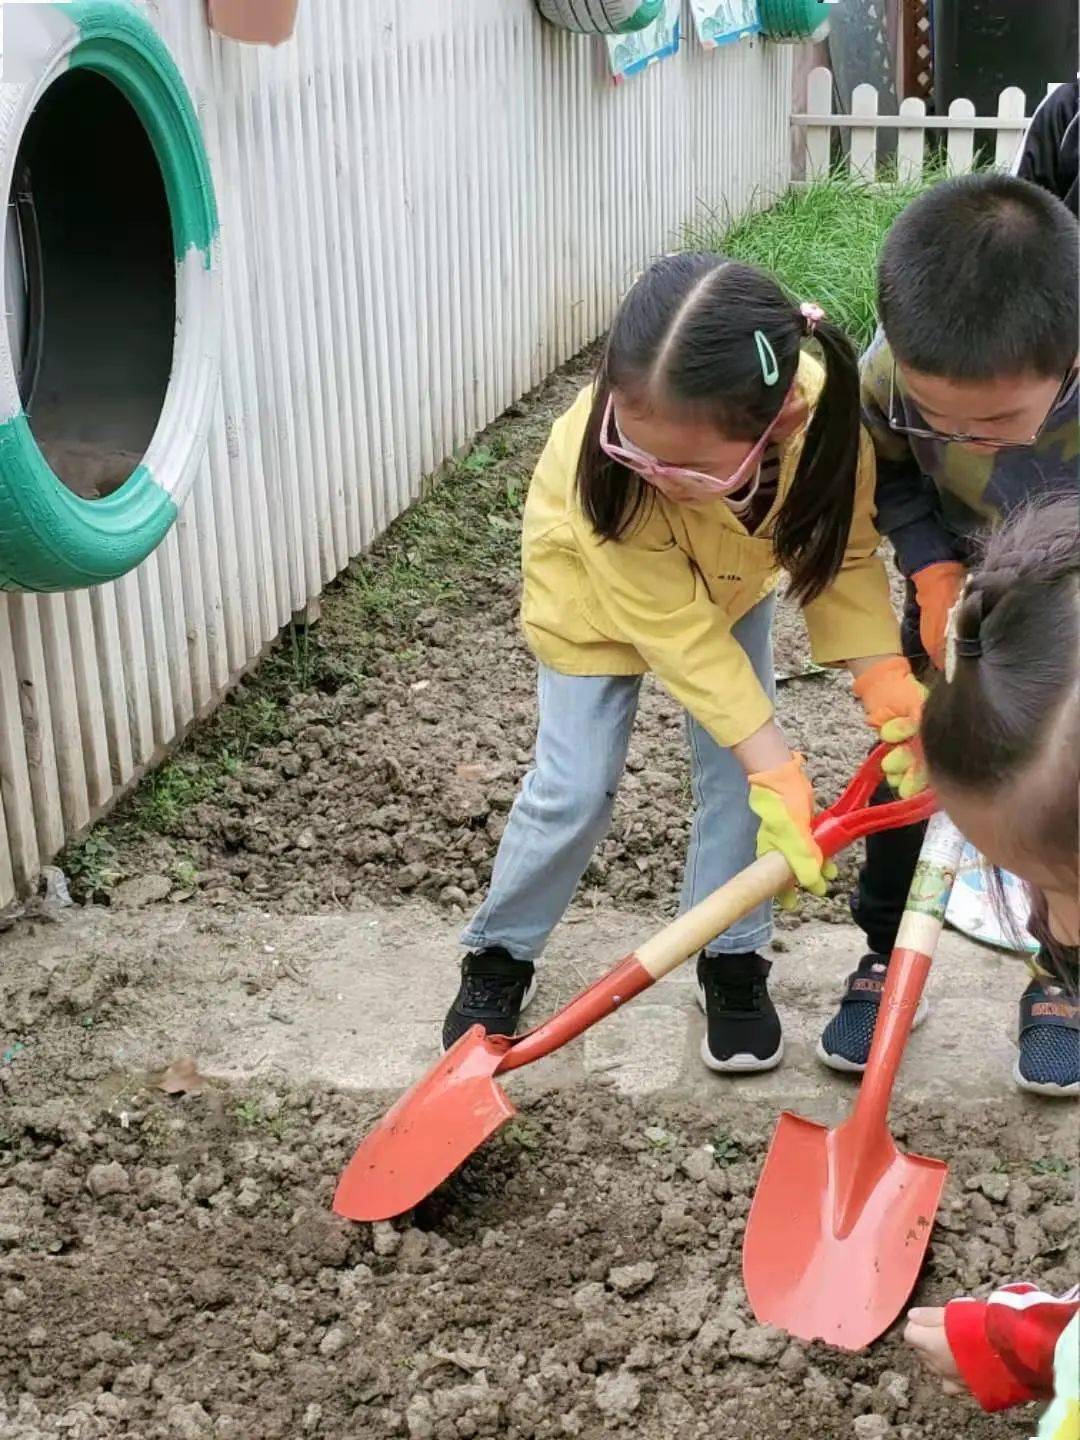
804,1277
429,1133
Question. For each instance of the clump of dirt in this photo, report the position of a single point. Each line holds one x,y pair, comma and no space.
378,755
170,1268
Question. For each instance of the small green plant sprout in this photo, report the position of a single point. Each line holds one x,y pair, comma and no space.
725,1148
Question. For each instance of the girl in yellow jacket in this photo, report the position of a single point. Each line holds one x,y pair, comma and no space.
711,454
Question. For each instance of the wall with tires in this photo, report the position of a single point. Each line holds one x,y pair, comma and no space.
254,296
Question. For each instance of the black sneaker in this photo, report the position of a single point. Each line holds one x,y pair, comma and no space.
845,1041
495,989
743,1029
1049,1059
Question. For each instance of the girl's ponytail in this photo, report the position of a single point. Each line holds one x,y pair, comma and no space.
812,528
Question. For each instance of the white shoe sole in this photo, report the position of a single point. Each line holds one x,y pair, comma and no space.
530,994
1051,1092
744,1064
849,1067
740,1064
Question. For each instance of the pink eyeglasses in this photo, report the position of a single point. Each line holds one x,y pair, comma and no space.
676,483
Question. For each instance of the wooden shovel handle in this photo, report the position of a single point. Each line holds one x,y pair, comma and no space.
691,932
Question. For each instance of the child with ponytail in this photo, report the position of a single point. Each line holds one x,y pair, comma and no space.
713,453
1001,736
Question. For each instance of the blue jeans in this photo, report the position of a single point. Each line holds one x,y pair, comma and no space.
563,809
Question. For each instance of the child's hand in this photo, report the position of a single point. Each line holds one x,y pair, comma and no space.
937,588
893,701
783,800
925,1333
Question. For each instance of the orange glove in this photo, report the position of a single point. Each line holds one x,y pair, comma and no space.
783,800
937,589
893,700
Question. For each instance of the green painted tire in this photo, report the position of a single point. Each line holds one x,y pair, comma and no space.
50,538
601,17
792,21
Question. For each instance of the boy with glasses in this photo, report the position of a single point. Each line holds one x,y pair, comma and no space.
970,396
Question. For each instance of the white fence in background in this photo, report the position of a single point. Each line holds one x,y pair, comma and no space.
425,209
913,127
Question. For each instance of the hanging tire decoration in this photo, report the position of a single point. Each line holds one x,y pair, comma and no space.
793,21
52,538
601,17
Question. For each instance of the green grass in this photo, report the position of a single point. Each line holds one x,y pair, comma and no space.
91,865
468,526
821,242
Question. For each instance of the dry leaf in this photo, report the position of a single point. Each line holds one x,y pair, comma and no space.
472,772
183,1078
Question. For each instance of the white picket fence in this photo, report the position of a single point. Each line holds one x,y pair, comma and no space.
913,127
425,209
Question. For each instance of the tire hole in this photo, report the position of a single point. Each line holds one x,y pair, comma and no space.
91,283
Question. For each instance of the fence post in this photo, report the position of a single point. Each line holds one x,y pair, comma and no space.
819,100
911,146
961,146
863,157
1011,106
7,876
15,793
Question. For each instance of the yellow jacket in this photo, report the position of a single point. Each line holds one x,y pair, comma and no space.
664,598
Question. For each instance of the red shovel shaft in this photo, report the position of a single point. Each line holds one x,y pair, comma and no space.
863,1146
909,966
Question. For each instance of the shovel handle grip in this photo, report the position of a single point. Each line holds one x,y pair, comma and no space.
853,817
761,881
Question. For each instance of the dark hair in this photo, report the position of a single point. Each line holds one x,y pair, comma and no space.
683,338
978,281
1012,693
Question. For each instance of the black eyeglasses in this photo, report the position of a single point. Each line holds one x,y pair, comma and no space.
943,437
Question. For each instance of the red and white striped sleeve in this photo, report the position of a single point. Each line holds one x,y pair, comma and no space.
1004,1346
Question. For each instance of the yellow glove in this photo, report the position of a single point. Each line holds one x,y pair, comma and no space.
893,700
783,800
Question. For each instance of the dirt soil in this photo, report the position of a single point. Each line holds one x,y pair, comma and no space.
169,1267
377,756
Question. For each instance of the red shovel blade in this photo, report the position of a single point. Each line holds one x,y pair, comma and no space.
837,1232
429,1133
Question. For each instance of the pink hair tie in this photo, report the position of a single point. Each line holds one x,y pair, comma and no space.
812,315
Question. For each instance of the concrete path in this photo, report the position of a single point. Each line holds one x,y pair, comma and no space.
357,999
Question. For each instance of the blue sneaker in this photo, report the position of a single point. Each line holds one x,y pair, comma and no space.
1049,1059
845,1041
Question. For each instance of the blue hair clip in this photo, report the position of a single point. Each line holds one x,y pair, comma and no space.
770,370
